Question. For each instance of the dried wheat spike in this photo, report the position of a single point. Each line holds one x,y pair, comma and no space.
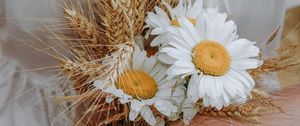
81,74
246,112
87,32
284,60
278,63
117,23
139,10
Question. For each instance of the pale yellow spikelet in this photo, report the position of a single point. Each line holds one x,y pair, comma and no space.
284,60
86,31
139,10
245,112
117,23
81,74
249,112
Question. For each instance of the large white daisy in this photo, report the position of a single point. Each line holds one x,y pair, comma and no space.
160,20
216,61
143,85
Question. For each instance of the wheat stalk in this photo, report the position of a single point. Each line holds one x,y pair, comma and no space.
86,31
248,112
117,23
119,62
284,60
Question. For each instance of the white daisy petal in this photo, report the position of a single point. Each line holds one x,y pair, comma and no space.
165,107
242,48
228,86
244,78
154,20
156,41
219,104
226,99
164,93
202,86
206,101
238,86
160,75
136,105
148,116
179,43
189,111
133,114
156,69
186,36
166,58
169,9
179,9
245,63
196,9
174,53
192,92
179,94
201,28
162,15
179,71
219,86
190,29
185,64
139,60
158,30
149,64
167,84
210,87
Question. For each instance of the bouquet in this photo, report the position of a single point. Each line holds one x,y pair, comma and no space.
139,62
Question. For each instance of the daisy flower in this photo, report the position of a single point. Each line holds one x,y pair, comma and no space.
216,61
160,20
144,85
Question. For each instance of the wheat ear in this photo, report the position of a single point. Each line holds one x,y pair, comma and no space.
248,112
86,31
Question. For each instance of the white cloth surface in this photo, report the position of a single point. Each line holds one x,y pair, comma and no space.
256,19
18,108
24,96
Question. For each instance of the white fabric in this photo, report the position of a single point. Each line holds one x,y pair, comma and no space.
256,19
293,3
18,108
24,100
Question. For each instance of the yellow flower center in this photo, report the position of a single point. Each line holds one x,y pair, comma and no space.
137,84
175,22
211,58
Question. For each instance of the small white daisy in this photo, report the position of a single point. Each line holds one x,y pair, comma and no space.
143,85
160,20
211,53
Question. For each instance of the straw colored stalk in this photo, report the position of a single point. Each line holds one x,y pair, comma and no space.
117,22
81,74
248,112
245,113
284,60
92,109
86,31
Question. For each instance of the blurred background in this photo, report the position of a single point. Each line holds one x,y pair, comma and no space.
291,35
